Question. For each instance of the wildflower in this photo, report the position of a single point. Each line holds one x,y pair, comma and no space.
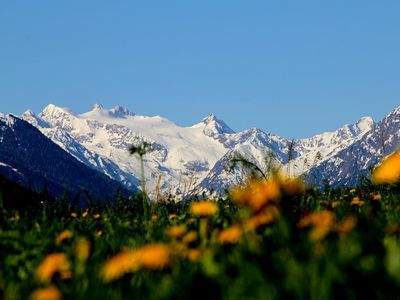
176,231
154,256
262,218
204,208
119,265
357,201
96,216
74,215
66,234
151,257
377,197
172,216
99,233
256,194
82,249
53,264
346,226
323,222
388,171
230,235
193,254
335,204
352,191
47,293
189,237
154,218
85,213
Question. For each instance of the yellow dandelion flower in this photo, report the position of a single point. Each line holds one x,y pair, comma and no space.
256,194
176,231
56,263
193,254
66,234
189,237
323,223
335,204
119,265
204,208
262,218
47,293
82,249
377,197
172,216
230,235
74,215
151,257
347,225
357,201
154,256
352,191
96,216
99,233
263,193
85,213
388,171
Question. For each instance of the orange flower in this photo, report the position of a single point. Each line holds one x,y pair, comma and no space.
52,264
263,218
388,171
377,197
172,216
151,257
66,234
323,222
189,237
154,256
193,254
176,231
357,201
347,225
256,194
230,235
47,293
204,208
119,265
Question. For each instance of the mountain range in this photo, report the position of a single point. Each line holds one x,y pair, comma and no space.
32,160
196,159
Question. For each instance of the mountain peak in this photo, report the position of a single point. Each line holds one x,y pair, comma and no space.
97,106
213,125
29,112
120,111
365,124
53,110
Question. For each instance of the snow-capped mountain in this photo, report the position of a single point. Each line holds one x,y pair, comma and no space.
30,159
346,166
182,159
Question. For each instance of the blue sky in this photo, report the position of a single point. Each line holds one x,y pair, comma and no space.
294,68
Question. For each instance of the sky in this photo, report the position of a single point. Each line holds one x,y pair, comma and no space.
293,68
